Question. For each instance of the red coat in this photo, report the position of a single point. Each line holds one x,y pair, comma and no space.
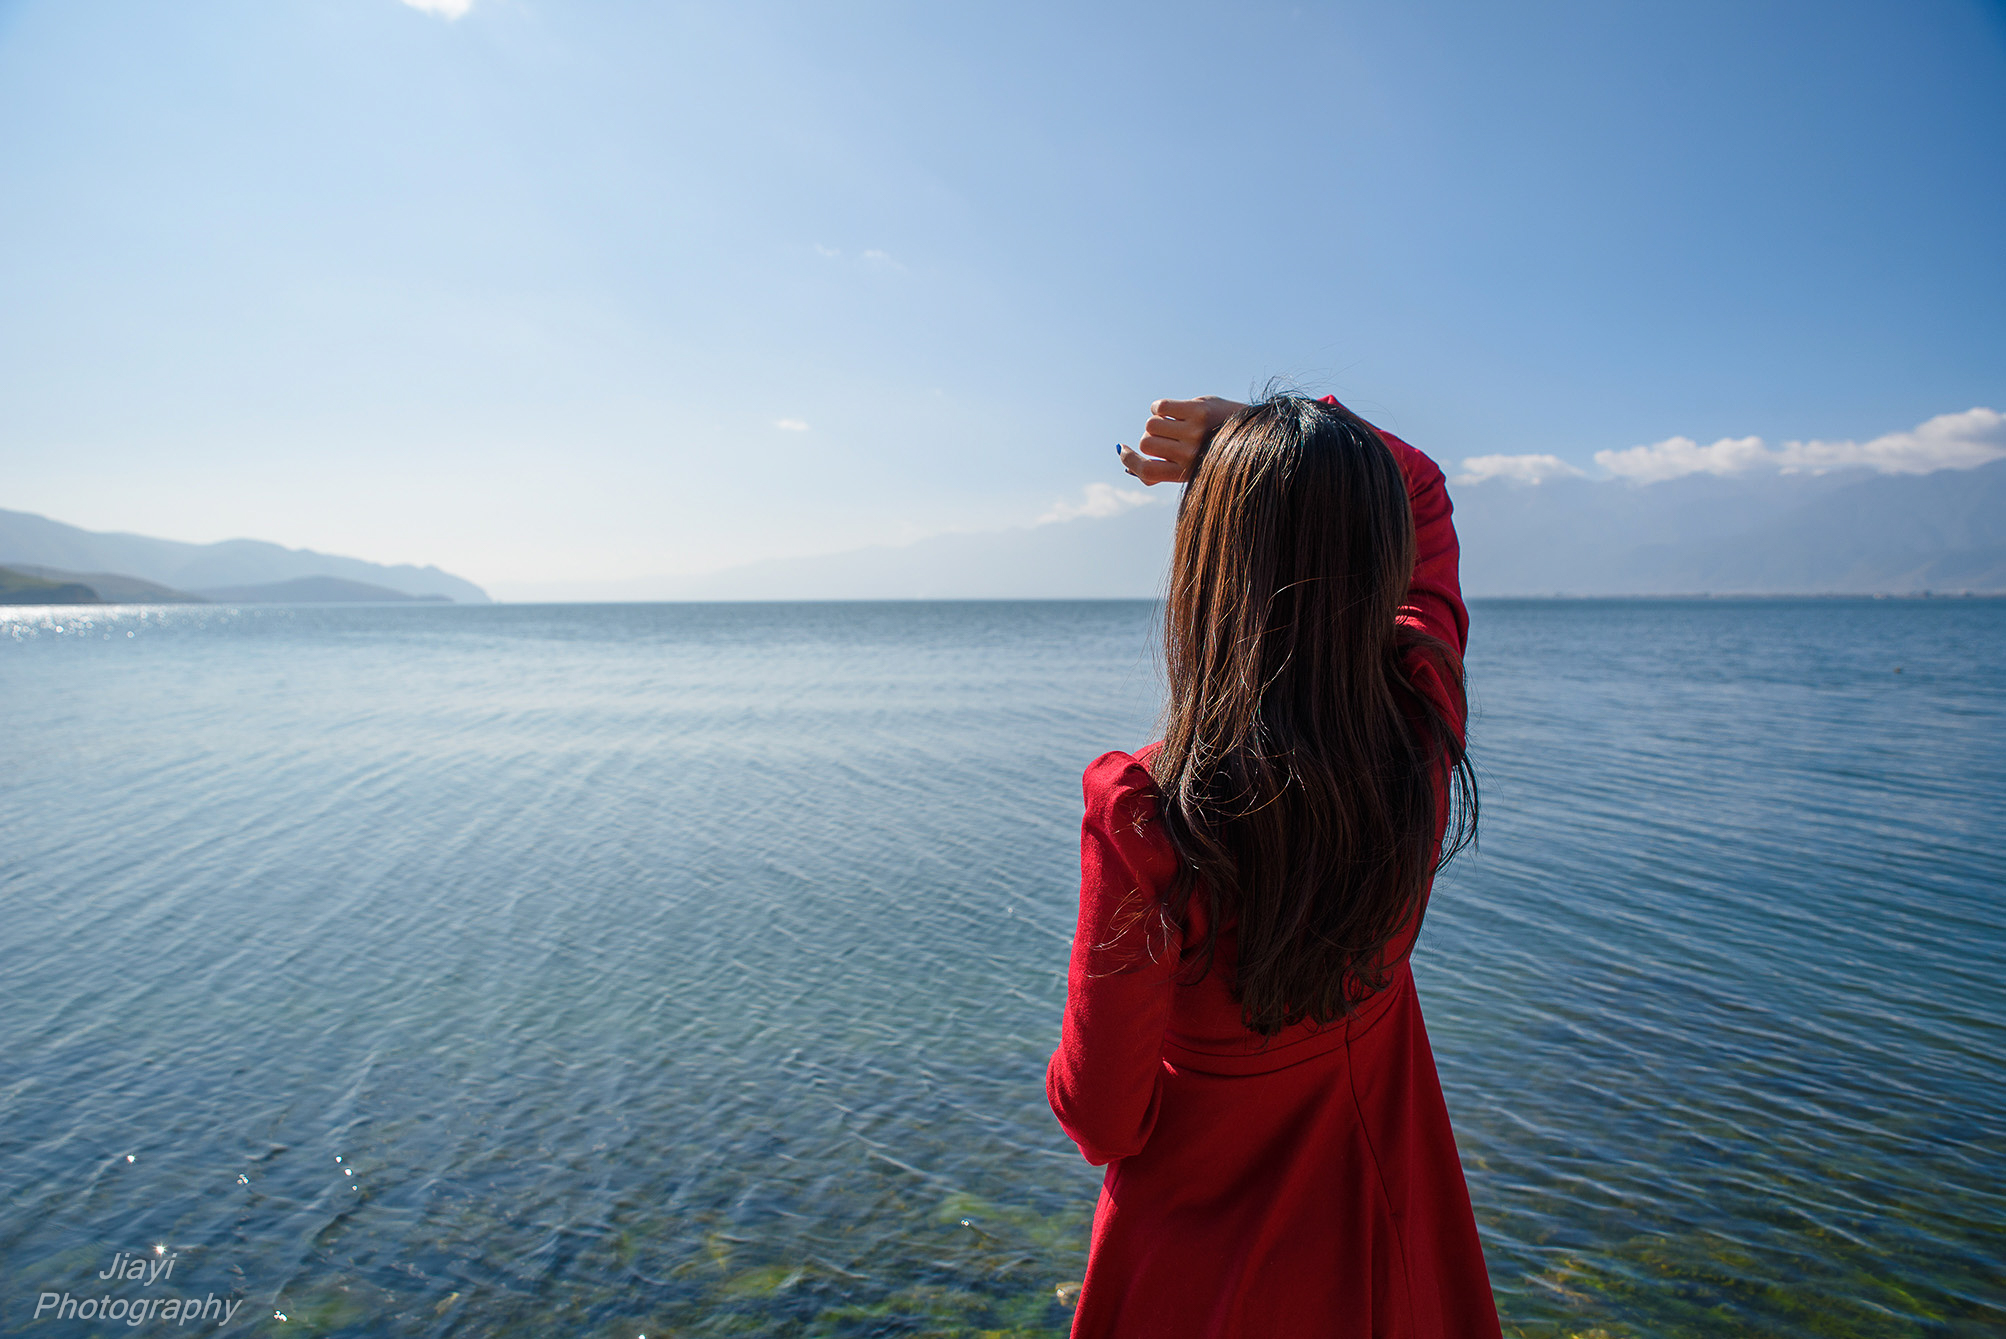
1308,1187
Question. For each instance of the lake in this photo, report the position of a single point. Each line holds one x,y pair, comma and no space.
691,969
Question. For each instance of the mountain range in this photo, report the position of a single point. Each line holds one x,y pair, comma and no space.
1843,532
139,568
1846,532
1850,531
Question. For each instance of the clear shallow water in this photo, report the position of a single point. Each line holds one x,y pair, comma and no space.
692,969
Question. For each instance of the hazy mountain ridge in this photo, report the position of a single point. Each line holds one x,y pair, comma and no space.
1846,532
1118,557
315,590
28,540
1843,533
29,583
112,588
20,587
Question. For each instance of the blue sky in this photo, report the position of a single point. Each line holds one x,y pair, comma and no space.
585,293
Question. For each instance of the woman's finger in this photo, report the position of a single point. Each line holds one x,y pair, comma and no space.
1151,471
1175,449
1206,414
1174,429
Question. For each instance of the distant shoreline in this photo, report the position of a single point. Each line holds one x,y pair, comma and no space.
36,586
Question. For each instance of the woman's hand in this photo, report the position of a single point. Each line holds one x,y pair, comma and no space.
1176,432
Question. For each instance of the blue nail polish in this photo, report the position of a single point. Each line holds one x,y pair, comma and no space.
1118,448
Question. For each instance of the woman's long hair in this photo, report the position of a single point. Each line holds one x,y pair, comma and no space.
1303,774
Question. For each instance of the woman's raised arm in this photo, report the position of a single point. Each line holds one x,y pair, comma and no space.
1435,593
1178,429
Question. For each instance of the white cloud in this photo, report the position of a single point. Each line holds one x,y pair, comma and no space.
1946,442
872,259
445,9
1518,469
1098,501
791,424
1676,457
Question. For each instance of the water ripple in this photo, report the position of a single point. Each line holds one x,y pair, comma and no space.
694,968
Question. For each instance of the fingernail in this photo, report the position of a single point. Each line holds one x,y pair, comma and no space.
1119,448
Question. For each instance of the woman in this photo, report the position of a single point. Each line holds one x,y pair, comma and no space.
1242,1045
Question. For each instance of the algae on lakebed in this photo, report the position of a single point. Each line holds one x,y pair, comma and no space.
967,1267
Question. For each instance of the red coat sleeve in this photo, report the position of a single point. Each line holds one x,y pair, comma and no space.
1106,1078
1435,595
1435,592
